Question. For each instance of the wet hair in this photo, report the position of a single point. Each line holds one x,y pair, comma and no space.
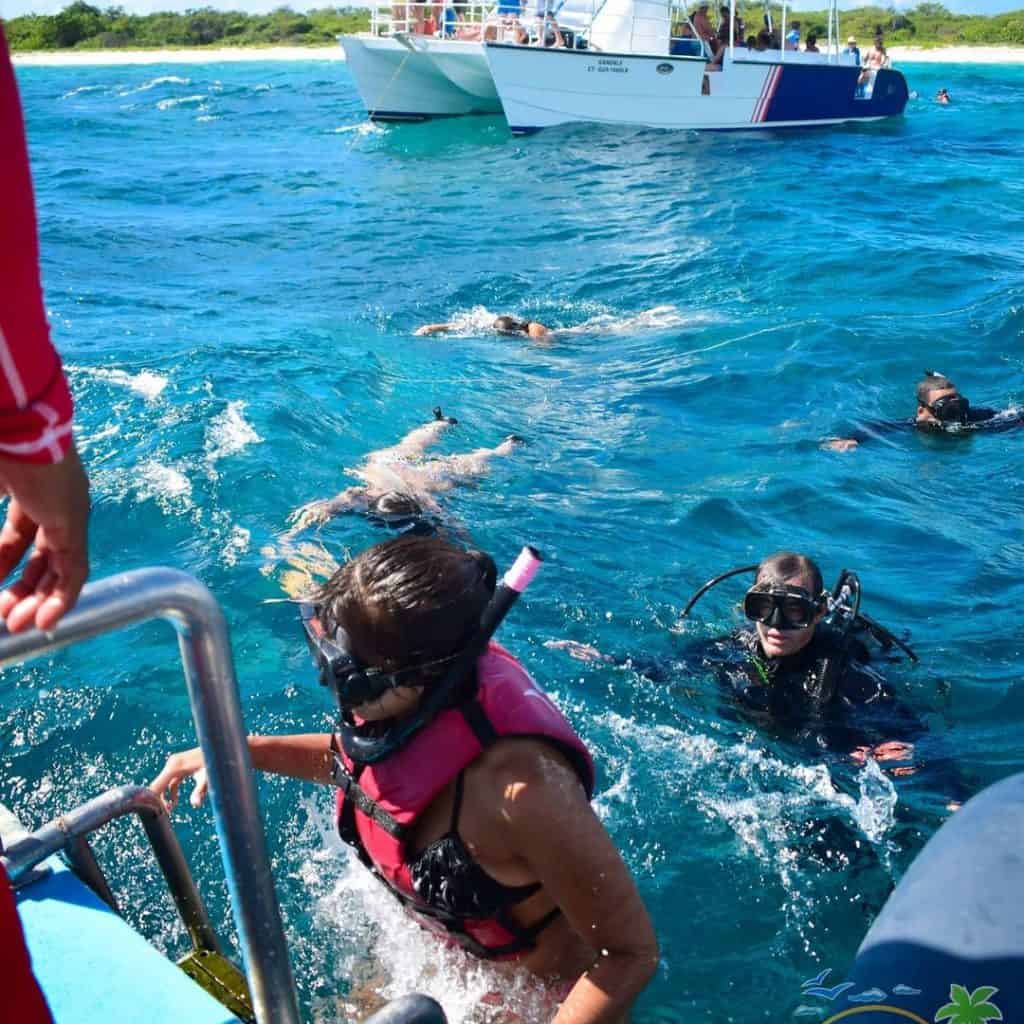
930,382
395,505
511,325
787,565
409,600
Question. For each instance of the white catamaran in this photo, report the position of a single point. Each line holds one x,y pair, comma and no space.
625,62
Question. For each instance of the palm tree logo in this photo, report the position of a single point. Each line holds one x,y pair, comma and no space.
969,1007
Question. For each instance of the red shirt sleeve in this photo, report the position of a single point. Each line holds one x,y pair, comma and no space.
35,403
22,1002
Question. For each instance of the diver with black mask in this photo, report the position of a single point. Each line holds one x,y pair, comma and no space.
804,667
941,409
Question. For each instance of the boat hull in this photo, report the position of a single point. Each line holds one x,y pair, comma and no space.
540,88
415,78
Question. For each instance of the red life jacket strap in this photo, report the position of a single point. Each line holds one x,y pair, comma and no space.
356,797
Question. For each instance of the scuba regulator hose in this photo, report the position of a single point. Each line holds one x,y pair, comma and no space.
370,750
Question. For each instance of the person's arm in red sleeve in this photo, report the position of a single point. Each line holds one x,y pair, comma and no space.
39,468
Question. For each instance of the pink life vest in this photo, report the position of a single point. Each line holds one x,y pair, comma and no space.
378,805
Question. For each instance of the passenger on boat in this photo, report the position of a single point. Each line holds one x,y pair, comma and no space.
793,36
941,409
467,793
812,44
703,27
853,49
400,483
502,324
877,57
723,27
763,41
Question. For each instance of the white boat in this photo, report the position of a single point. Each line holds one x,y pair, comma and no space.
408,68
637,70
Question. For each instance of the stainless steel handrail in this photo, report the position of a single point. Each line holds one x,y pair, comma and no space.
62,833
183,601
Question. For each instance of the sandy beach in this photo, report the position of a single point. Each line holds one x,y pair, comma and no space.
958,55
900,55
232,54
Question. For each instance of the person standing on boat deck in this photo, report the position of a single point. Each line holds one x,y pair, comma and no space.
941,409
400,483
793,37
502,324
852,48
703,27
46,486
48,490
467,795
812,44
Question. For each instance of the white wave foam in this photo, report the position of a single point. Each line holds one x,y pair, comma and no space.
389,956
208,117
154,82
236,546
181,101
363,128
657,318
166,485
229,432
145,383
82,89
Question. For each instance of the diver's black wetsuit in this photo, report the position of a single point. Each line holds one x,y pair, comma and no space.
991,421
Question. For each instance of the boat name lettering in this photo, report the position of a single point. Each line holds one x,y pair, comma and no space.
609,64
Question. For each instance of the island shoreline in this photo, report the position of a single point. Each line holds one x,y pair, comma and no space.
104,58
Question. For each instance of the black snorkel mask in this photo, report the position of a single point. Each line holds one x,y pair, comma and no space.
340,671
354,684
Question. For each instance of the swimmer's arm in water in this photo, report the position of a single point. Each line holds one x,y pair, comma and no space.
427,329
552,828
305,756
315,513
538,331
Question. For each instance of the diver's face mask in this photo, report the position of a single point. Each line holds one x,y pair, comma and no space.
353,682
781,606
950,408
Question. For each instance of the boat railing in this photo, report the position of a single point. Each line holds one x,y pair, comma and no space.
128,599
191,609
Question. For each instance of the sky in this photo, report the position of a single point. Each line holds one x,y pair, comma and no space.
12,8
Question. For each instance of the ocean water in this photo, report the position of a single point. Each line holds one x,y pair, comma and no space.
235,262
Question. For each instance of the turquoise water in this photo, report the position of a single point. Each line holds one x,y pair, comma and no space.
234,265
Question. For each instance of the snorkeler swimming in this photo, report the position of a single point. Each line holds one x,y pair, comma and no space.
399,483
512,325
941,409
461,786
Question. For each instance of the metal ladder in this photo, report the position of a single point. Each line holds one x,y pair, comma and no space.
181,600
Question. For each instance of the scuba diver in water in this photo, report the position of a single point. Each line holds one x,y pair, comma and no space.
511,325
399,483
460,785
804,666
941,408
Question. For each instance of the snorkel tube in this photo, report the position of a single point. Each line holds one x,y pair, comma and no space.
365,749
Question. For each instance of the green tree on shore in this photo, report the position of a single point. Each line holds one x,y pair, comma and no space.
85,27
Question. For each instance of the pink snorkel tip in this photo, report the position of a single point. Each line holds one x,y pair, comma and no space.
523,569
